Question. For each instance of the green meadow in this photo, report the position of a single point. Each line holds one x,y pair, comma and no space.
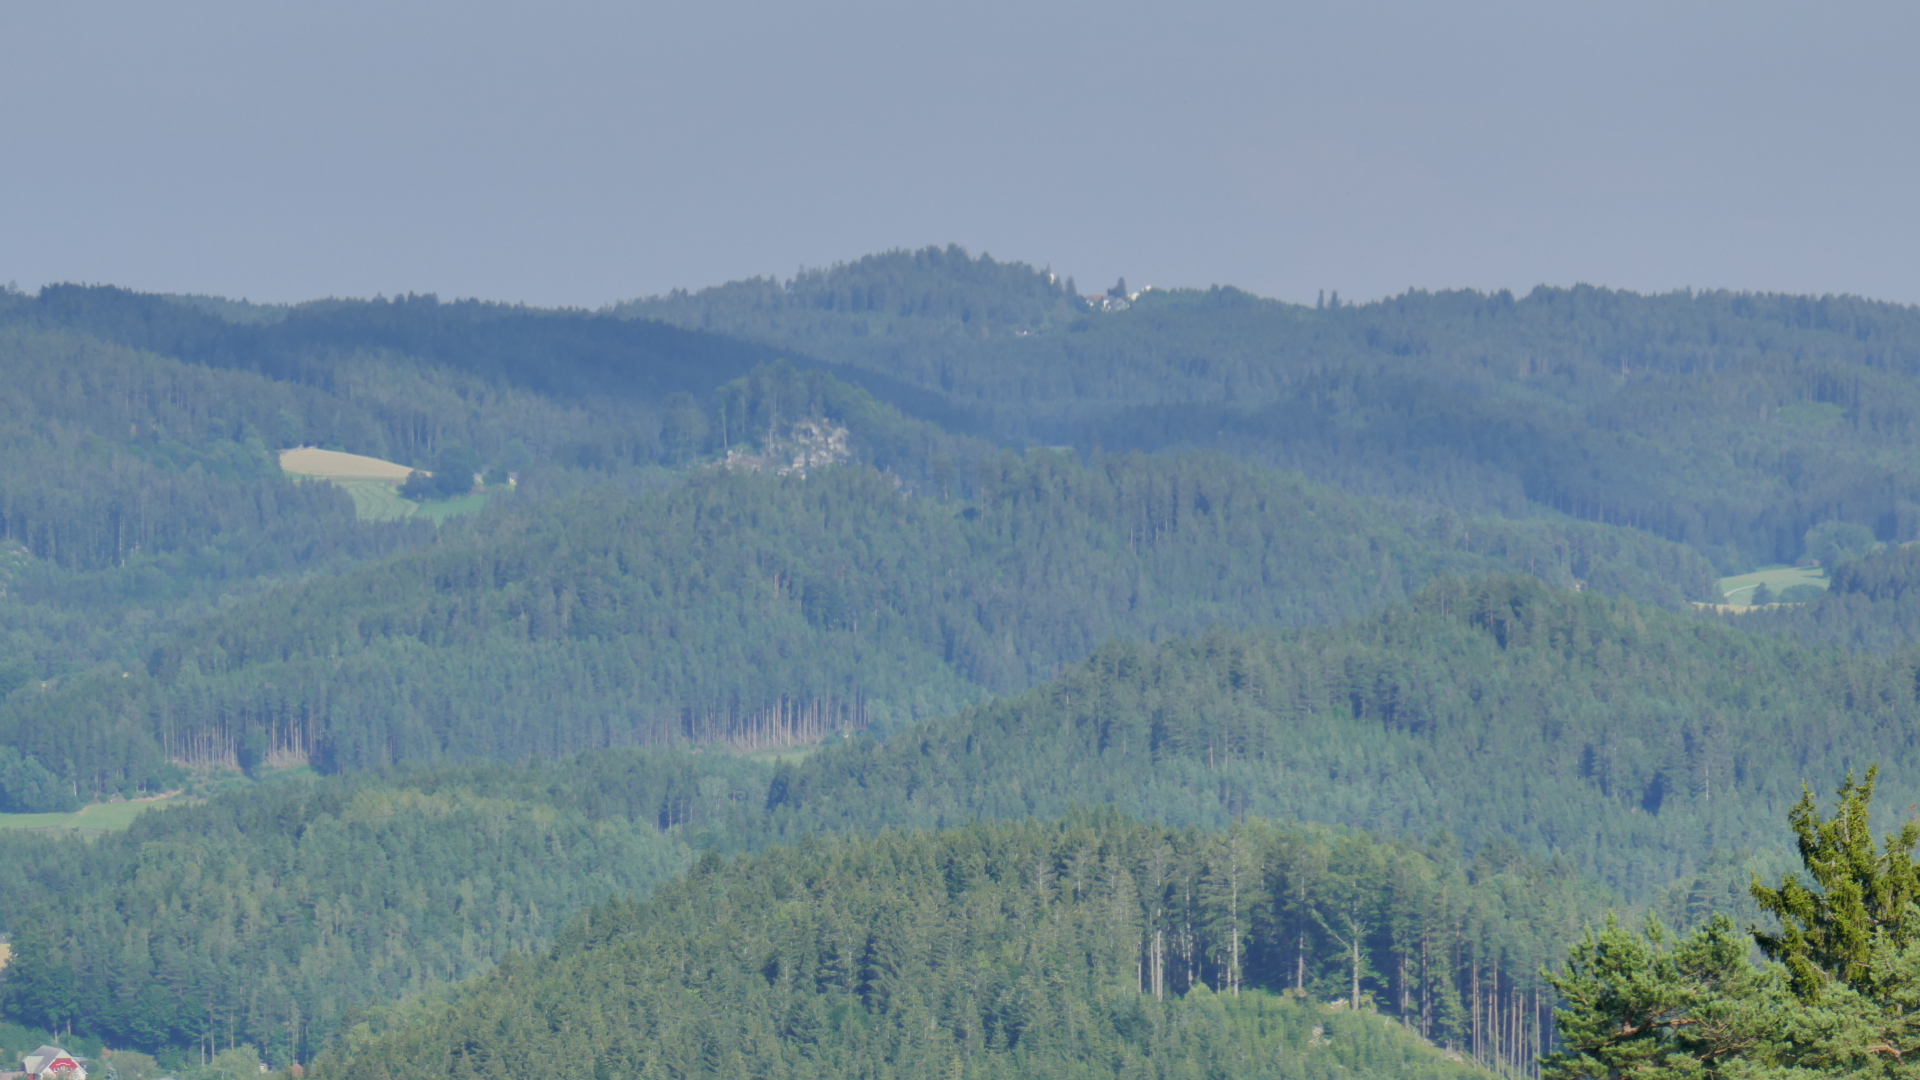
439,512
102,817
376,500
1738,590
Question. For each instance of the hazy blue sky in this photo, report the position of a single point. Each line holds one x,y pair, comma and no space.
579,153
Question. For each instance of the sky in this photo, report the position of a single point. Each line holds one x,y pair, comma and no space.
581,153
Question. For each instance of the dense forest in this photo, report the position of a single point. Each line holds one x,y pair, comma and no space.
763,611
1598,742
1731,422
278,917
1632,742
272,916
1094,947
918,667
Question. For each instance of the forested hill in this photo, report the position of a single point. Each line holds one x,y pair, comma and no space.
1733,422
978,556
1635,742
1872,602
571,356
283,916
1088,949
276,914
761,610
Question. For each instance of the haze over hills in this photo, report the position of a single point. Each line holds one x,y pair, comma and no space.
1731,422
1415,600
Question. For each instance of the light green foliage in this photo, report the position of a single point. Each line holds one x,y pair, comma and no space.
1865,899
235,1063
376,500
439,512
1742,589
104,817
133,1065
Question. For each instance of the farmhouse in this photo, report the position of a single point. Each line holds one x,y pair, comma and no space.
52,1063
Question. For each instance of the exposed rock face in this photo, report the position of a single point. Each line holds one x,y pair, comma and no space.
808,445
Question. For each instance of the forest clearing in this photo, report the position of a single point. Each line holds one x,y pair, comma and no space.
1739,589
373,483
337,465
100,817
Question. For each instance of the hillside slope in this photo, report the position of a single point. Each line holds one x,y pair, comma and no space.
1733,422
761,611
1637,743
1094,949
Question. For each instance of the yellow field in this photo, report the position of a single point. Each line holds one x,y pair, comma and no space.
334,465
374,485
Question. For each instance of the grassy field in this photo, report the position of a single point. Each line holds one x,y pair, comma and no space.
376,500
439,512
1738,590
105,817
374,485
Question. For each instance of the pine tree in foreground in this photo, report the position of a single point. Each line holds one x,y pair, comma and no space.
1836,993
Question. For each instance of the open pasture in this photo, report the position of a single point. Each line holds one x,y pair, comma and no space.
99,817
376,500
1738,590
439,512
374,484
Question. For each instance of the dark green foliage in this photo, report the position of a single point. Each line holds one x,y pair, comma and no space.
1733,422
114,457
1633,742
1890,575
760,610
1872,603
454,472
1644,1005
1834,999
168,599
27,787
1833,542
1092,948
271,915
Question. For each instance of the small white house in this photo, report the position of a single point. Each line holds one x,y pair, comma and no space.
52,1063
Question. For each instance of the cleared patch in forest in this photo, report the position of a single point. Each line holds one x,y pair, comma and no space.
335,465
99,817
373,484
1738,590
376,500
439,512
